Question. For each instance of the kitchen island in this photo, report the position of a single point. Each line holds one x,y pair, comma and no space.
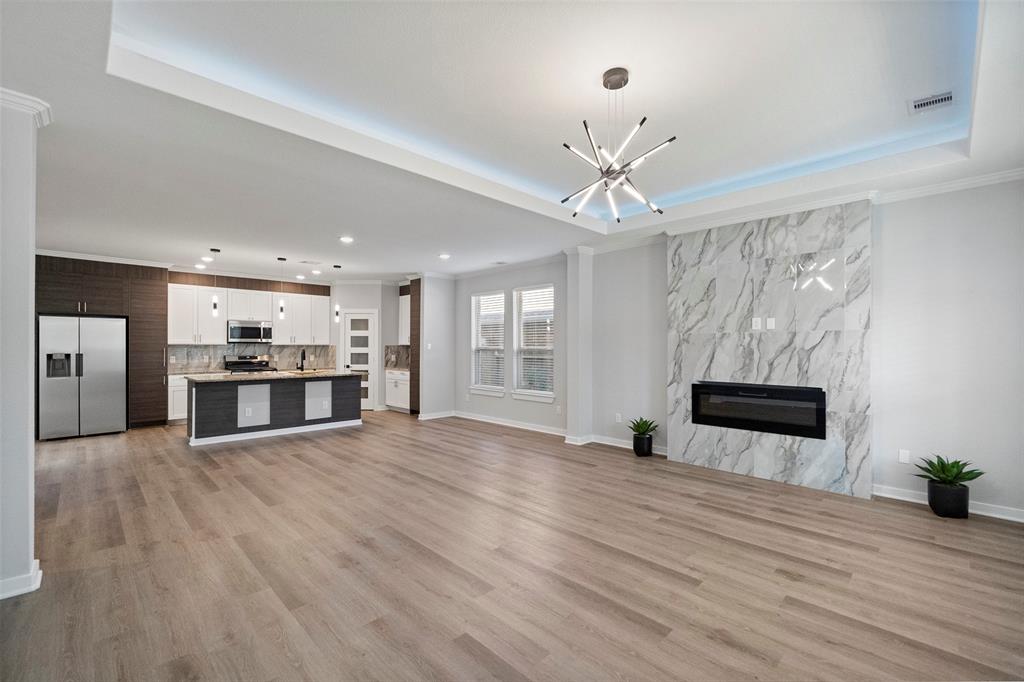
233,407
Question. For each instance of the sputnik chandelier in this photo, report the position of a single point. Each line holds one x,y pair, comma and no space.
613,170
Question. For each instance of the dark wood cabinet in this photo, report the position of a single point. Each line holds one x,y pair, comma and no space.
147,346
73,286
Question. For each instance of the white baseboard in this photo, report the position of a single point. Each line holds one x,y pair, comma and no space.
381,408
22,584
427,416
540,428
249,435
921,497
623,443
578,440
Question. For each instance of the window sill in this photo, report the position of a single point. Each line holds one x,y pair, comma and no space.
487,390
534,396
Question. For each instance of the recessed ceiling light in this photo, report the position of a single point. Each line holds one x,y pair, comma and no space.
445,256
207,259
316,272
200,266
300,277
347,240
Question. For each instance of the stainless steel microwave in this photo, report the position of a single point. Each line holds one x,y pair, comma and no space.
250,331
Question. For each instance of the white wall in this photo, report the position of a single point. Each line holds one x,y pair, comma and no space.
19,570
630,340
389,316
437,347
546,416
949,337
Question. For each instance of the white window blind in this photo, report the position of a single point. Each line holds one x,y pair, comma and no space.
489,340
535,339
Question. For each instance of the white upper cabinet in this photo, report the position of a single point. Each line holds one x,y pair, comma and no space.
301,311
211,317
320,320
244,304
404,319
199,315
181,314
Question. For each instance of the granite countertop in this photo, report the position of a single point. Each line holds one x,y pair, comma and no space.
283,375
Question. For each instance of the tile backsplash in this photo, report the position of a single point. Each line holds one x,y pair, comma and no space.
186,359
396,357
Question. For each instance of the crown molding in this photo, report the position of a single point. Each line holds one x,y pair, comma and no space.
437,275
40,111
1010,175
104,259
611,246
382,282
770,210
536,262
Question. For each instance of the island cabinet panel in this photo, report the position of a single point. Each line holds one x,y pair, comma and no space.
232,408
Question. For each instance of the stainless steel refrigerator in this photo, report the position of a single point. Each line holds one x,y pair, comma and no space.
83,375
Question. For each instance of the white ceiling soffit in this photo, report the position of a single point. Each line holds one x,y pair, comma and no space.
751,112
142,64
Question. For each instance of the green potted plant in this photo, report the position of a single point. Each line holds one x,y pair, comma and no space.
947,494
643,436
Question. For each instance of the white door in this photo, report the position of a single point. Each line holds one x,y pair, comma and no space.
359,352
238,305
296,308
320,319
260,303
211,320
181,314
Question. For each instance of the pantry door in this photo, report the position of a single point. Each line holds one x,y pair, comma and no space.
359,352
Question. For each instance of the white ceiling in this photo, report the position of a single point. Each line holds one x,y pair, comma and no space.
769,100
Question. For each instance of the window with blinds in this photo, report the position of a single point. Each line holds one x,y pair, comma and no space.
489,340
535,339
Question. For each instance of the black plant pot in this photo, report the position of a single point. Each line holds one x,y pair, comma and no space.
643,446
949,501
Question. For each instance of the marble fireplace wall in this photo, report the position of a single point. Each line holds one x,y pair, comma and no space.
186,359
811,272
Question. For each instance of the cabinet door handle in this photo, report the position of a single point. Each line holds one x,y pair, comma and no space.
79,306
165,380
86,307
165,360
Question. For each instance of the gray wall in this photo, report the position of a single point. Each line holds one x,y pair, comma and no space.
547,416
630,331
437,347
389,315
17,339
948,361
809,272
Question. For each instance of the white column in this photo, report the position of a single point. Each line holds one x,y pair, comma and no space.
20,117
579,304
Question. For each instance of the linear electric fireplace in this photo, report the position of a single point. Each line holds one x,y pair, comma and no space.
790,410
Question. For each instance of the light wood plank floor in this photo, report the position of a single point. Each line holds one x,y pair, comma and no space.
455,550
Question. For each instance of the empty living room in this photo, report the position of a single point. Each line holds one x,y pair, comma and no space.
553,341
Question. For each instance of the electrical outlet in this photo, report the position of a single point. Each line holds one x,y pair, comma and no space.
275,359
172,359
618,418
248,412
755,324
206,358
769,323
327,404
904,456
429,346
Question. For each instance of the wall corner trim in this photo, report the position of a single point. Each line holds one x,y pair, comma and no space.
921,497
22,584
40,110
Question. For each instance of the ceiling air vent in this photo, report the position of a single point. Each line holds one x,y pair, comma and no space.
934,102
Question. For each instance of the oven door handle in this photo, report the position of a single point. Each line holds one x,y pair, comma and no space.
752,395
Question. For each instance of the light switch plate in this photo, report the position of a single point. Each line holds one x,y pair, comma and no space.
770,323
904,456
755,323
248,412
429,346
172,359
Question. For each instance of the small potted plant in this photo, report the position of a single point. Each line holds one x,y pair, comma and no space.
947,494
643,436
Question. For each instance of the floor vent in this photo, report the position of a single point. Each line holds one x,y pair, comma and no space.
933,102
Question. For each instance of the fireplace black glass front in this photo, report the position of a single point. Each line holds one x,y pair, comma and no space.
789,410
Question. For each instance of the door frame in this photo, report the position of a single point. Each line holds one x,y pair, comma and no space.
375,356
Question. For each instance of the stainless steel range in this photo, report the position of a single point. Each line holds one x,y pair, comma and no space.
238,364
